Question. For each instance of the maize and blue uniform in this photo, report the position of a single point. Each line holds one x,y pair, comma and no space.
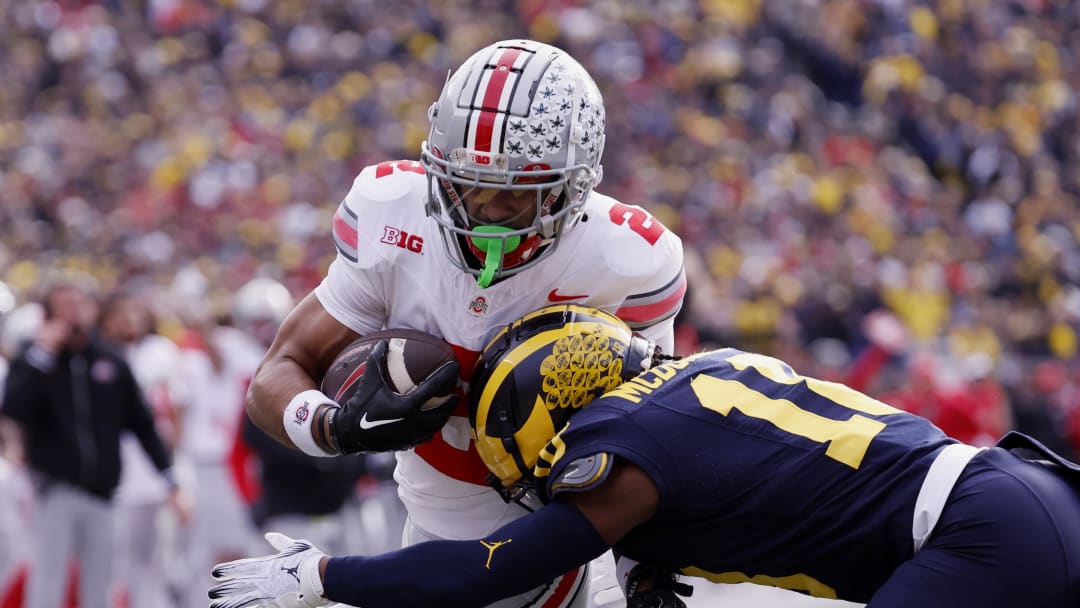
765,476
769,477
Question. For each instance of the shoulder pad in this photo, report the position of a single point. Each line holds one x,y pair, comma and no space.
642,310
643,259
385,200
388,181
582,474
632,241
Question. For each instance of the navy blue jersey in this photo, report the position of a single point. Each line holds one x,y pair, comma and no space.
741,449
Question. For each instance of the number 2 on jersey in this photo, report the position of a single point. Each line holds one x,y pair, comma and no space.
638,220
848,439
391,166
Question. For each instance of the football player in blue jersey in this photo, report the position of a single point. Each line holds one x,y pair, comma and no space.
725,465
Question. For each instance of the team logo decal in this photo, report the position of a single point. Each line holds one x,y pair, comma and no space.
555,296
580,368
301,414
396,236
478,306
491,547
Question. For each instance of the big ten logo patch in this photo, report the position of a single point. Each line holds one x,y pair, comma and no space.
395,236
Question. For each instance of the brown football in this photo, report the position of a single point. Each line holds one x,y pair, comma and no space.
410,357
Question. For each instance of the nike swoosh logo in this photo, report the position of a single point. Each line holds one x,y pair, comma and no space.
370,424
555,296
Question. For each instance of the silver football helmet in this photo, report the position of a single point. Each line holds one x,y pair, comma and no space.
518,115
260,306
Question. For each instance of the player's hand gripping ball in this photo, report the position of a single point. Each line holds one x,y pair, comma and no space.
396,388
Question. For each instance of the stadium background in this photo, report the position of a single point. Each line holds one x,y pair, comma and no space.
880,191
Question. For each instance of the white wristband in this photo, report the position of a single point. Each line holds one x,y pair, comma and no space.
297,420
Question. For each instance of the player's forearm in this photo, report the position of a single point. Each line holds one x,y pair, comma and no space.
306,343
279,379
521,555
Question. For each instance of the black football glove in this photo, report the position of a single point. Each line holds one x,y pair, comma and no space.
377,419
650,587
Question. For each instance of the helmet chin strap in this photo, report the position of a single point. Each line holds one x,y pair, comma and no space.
493,250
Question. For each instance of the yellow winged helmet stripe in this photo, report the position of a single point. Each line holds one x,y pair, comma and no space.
538,429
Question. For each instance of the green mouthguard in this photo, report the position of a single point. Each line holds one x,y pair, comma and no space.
493,250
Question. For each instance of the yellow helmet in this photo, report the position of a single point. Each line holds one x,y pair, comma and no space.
535,373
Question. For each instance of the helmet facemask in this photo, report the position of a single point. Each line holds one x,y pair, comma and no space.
517,116
496,249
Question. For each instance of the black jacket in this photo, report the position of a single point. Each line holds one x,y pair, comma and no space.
294,483
72,410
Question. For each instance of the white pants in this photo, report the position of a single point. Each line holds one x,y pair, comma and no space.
376,521
220,530
70,523
140,555
16,540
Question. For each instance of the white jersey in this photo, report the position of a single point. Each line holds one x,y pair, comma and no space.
155,362
392,271
214,401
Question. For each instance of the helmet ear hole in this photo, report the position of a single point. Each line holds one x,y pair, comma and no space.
501,422
511,447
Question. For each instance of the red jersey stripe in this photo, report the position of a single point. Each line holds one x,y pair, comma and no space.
648,314
461,465
562,592
345,234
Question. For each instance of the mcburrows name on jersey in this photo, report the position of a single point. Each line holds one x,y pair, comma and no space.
634,389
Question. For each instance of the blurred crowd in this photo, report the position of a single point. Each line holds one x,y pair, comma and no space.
879,191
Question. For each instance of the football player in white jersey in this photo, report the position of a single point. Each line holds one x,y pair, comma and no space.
498,218
217,363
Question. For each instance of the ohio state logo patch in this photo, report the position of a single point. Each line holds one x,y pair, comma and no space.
479,306
301,414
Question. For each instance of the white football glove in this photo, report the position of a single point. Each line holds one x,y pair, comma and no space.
288,579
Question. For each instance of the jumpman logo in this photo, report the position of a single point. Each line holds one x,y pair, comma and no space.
491,549
293,571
